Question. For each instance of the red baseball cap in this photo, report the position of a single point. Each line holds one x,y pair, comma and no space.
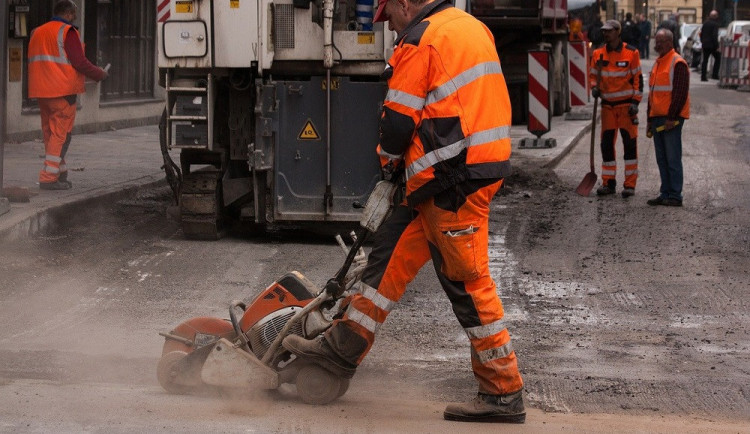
380,14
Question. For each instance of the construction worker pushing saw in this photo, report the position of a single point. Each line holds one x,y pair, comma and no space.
615,76
446,120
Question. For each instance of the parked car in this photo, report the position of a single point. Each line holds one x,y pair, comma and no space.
692,51
685,31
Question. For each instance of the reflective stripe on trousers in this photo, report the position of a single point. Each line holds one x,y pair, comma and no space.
403,244
57,117
616,118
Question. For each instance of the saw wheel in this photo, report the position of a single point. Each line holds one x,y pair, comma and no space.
318,386
167,373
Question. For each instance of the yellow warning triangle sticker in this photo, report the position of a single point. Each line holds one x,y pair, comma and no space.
308,132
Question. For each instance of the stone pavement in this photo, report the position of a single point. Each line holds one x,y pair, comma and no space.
108,164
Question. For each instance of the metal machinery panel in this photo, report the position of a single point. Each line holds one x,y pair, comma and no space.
235,33
300,147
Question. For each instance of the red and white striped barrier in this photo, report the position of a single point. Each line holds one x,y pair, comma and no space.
577,82
162,10
540,116
735,60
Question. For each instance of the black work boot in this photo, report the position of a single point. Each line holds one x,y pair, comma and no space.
319,352
605,189
57,185
64,178
489,408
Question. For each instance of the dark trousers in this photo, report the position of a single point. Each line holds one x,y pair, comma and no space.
704,64
643,48
668,148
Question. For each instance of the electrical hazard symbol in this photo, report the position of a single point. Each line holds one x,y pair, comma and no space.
309,132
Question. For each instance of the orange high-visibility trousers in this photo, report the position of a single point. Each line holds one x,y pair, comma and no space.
58,116
616,117
457,243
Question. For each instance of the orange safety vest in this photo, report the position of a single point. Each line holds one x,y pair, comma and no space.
50,73
449,104
622,79
660,82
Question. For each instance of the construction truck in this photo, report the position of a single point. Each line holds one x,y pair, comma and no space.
274,105
274,108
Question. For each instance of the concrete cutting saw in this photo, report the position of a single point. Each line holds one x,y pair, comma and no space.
245,351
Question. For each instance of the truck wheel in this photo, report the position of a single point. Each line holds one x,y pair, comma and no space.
318,386
167,373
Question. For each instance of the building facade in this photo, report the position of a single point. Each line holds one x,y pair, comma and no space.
116,32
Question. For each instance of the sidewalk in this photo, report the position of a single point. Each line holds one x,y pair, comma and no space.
107,164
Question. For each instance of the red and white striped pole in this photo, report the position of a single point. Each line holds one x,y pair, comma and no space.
577,82
540,116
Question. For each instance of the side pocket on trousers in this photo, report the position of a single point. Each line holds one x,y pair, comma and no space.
458,245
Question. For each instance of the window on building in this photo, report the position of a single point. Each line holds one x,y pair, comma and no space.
39,13
125,31
688,15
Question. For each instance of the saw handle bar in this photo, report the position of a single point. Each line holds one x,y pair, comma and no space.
236,325
317,301
337,285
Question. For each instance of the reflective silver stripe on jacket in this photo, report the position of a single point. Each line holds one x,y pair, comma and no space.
405,99
375,297
622,93
628,162
450,151
62,57
495,353
362,319
486,330
667,88
53,158
446,89
615,73
384,154
451,86
50,169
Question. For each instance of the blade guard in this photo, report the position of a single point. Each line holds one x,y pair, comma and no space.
378,206
228,366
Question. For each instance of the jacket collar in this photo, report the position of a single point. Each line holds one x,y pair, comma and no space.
429,9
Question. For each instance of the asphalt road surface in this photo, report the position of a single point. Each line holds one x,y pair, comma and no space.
624,317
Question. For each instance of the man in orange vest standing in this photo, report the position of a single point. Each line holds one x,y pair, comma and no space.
57,66
615,76
446,119
668,108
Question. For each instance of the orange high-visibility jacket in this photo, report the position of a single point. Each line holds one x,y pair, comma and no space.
660,83
622,80
50,73
447,112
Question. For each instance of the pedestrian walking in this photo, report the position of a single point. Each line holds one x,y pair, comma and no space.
57,66
443,77
644,25
710,45
615,76
630,34
595,32
668,108
673,25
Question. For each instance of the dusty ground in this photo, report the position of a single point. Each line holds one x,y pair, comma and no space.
625,318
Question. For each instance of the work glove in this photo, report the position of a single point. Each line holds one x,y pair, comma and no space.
633,110
595,92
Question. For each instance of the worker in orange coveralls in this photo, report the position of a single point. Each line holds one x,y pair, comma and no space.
57,66
446,118
620,87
